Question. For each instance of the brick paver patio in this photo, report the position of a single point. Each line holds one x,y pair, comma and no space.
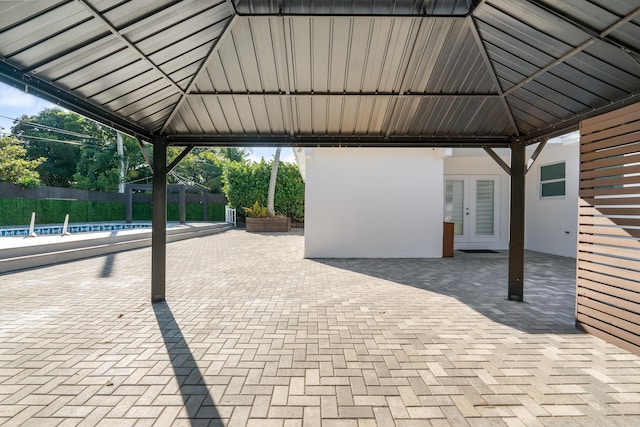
252,334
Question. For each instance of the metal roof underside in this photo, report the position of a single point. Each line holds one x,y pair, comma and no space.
327,72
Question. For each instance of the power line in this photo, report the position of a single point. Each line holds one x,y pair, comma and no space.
184,180
50,139
146,178
38,125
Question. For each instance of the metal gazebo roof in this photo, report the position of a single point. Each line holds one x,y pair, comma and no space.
327,72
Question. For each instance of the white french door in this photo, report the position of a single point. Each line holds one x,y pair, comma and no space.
472,203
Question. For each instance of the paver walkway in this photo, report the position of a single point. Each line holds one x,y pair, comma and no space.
252,334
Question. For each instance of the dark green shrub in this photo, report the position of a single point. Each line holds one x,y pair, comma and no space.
246,183
17,211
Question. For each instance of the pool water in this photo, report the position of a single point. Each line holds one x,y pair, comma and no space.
72,228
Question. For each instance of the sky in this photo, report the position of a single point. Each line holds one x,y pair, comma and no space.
15,103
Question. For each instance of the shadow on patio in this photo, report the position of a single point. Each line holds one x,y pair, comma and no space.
480,282
197,401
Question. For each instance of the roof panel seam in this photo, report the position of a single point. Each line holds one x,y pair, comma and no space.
140,18
609,82
473,28
593,33
36,15
137,100
534,97
203,68
101,76
49,36
68,51
129,44
196,14
185,38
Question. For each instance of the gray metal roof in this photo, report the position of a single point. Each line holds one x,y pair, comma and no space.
327,72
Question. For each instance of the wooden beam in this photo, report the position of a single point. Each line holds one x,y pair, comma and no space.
516,224
159,220
498,160
182,155
535,155
145,153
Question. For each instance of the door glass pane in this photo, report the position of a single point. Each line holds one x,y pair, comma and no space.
484,207
454,205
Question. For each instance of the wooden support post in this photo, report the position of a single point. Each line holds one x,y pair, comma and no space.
516,231
159,220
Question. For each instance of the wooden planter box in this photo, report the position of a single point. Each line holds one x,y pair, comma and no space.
268,225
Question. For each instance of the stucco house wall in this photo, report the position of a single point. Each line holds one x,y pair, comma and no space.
388,203
551,224
373,203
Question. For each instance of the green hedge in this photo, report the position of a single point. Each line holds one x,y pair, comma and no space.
244,183
143,212
17,211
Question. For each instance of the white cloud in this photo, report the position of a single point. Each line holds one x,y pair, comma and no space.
11,97
15,103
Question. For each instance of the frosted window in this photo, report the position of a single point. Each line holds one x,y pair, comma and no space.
454,205
484,207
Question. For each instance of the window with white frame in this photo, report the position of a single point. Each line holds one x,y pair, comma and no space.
552,180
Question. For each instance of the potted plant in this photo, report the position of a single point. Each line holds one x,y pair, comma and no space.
260,220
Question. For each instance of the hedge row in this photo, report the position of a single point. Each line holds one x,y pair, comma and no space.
193,212
246,183
17,211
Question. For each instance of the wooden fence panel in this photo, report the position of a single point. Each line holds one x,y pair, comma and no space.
608,267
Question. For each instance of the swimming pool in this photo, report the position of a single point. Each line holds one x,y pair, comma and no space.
43,230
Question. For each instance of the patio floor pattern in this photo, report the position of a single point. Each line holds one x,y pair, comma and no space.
253,334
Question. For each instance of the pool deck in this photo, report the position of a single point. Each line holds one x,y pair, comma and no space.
20,252
10,242
253,334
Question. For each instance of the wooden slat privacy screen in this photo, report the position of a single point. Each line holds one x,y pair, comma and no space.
608,272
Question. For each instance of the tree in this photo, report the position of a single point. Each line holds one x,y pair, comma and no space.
202,166
233,154
98,168
83,154
99,164
15,167
80,153
272,183
41,134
